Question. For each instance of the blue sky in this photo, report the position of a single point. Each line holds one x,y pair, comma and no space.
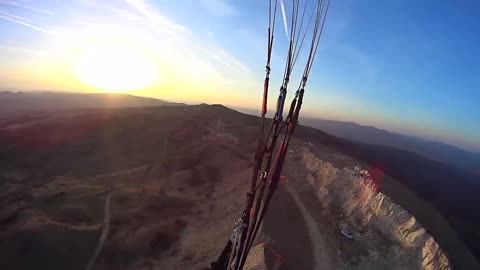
406,66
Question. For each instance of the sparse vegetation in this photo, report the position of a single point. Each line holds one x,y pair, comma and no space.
158,193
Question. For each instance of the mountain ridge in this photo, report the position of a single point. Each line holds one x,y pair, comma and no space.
47,100
19,102
434,150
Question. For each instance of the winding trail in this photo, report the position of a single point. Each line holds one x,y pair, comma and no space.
321,259
293,231
103,236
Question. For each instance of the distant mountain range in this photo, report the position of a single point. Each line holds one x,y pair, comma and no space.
437,151
15,102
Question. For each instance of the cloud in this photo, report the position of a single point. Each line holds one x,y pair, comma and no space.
190,63
198,51
284,17
117,10
219,7
149,12
14,16
27,7
24,22
222,56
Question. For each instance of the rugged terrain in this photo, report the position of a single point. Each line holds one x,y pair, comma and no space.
433,150
333,193
177,178
15,102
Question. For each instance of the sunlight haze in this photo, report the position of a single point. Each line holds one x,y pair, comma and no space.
374,69
114,67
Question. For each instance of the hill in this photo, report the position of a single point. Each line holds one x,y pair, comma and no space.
18,102
450,190
178,177
56,172
366,134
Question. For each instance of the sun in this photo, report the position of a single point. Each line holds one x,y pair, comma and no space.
114,67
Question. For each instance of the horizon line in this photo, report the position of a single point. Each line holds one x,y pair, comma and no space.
256,112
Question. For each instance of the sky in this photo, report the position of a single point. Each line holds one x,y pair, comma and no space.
406,66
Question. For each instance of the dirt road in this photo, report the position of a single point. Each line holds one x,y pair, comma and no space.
293,232
286,232
103,236
321,259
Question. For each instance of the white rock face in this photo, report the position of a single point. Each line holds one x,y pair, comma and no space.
393,237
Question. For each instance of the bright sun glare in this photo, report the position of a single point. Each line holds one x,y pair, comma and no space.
114,67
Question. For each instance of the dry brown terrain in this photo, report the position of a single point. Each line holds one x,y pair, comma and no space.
174,193
330,194
177,177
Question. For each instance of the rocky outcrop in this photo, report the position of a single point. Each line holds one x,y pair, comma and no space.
388,234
